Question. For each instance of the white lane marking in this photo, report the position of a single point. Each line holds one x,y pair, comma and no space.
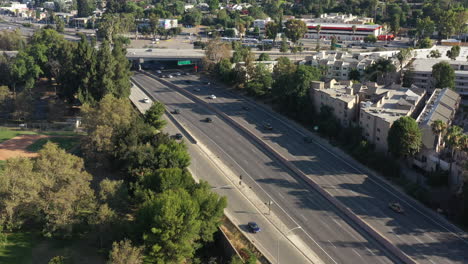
331,243
269,196
305,218
358,170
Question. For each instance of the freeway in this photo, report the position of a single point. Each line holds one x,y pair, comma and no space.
420,233
326,231
242,203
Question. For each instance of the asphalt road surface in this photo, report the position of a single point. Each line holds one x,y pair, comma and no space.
420,233
324,229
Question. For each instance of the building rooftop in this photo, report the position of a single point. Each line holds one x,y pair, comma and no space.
359,27
392,102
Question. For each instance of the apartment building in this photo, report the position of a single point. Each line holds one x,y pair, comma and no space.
421,72
261,23
383,106
441,105
335,18
337,65
341,31
342,97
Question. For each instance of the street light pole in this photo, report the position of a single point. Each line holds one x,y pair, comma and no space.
277,251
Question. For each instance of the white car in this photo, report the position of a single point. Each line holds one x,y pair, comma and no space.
212,96
178,74
158,71
170,76
146,100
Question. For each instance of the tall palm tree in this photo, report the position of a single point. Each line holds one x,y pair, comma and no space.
438,128
453,138
318,28
354,28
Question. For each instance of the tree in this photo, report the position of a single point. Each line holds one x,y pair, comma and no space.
370,39
381,71
57,260
170,226
264,57
444,75
402,57
318,28
438,128
424,43
114,193
354,29
193,16
154,24
271,31
85,8
211,210
425,27
224,70
404,138
333,43
103,121
153,115
354,74
216,51
434,54
124,253
284,45
59,24
121,70
52,190
11,40
453,139
454,52
295,29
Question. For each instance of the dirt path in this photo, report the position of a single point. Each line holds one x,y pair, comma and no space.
16,147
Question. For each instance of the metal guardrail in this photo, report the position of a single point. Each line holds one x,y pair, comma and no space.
343,209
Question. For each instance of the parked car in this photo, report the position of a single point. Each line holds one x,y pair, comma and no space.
396,207
146,100
178,136
178,74
253,227
176,111
187,73
158,71
170,76
268,126
208,120
212,96
196,90
245,108
307,139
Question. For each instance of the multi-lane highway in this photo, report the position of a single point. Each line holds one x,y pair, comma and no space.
324,229
243,205
420,233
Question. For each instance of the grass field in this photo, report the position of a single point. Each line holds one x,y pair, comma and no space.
67,143
18,248
7,133
2,164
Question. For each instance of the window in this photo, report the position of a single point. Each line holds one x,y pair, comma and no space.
378,139
368,117
378,129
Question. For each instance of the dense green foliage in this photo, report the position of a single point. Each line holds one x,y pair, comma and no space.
404,138
175,215
444,75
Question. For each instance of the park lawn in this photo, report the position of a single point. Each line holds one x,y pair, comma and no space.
66,143
2,164
8,133
18,248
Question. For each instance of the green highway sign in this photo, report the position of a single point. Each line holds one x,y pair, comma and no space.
184,62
